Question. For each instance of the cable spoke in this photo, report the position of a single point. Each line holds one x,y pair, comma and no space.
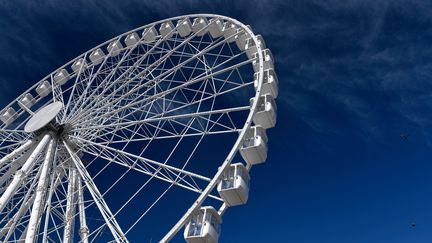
97,197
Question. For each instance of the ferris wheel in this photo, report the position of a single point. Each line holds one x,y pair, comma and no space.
171,115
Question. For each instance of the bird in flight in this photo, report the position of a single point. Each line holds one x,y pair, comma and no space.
404,136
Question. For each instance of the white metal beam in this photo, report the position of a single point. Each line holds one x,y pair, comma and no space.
84,231
35,217
146,160
68,234
14,153
56,177
172,117
22,173
109,218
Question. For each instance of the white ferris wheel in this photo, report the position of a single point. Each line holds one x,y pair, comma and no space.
171,114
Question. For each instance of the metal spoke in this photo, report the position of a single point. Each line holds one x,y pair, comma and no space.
97,197
40,193
145,160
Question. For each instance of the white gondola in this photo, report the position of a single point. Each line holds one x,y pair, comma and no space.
97,56
266,113
61,77
234,185
203,227
251,47
8,116
131,39
270,84
166,30
267,63
78,65
241,38
184,27
27,101
114,48
199,26
43,89
215,27
254,146
229,31
149,34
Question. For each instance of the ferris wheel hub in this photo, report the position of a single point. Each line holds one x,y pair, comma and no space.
44,116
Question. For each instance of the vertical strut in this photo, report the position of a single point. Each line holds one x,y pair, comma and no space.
22,173
108,216
35,217
70,206
55,180
84,231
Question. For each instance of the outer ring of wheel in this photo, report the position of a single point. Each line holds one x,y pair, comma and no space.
198,202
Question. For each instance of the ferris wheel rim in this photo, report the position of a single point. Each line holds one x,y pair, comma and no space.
242,133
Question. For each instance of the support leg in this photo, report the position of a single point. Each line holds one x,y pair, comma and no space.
70,206
84,231
22,173
35,216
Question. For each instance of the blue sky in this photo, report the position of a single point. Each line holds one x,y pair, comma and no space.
353,76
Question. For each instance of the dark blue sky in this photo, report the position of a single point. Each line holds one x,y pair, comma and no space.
353,76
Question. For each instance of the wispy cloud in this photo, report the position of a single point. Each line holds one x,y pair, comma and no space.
356,61
368,61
